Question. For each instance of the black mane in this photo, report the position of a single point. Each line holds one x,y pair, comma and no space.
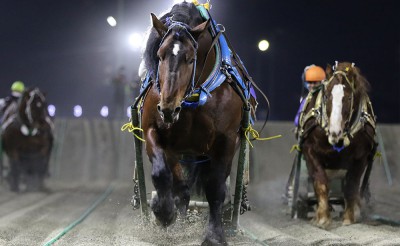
184,12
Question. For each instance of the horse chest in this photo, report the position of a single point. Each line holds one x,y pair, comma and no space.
184,139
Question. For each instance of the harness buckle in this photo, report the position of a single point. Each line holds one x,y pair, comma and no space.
225,70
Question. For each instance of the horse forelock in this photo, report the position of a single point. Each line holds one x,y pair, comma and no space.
184,12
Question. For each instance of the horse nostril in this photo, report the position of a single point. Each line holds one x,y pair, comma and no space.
177,110
158,108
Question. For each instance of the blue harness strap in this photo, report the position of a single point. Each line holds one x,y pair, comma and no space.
223,69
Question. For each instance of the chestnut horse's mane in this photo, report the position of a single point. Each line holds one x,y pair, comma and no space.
184,12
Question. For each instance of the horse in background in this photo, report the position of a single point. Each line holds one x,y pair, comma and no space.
338,134
27,140
185,67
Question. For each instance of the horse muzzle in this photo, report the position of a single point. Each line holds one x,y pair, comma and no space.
168,115
335,138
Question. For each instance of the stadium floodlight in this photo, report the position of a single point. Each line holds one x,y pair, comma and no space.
136,40
78,111
104,111
128,112
52,110
111,21
263,45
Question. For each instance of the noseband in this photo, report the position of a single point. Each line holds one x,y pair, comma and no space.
182,27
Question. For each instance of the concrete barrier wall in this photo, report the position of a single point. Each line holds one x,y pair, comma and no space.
96,149
91,150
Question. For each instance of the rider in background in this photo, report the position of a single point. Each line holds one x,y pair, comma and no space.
312,78
16,91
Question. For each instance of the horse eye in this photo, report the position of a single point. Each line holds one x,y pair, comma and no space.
191,61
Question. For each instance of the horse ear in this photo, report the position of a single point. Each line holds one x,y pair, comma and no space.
198,30
158,25
329,70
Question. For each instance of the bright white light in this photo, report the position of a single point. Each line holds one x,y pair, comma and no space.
77,111
128,112
52,110
111,21
135,40
263,45
104,111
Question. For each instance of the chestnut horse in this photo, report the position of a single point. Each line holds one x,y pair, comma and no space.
180,56
27,139
338,134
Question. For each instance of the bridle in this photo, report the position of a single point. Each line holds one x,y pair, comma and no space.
347,125
28,109
185,28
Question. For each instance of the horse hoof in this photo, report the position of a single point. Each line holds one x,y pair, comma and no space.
16,190
164,221
164,212
323,223
347,222
210,242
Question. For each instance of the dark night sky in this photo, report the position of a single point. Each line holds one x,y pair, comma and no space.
68,50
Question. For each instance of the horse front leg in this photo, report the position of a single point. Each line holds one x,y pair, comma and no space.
180,188
322,217
13,175
351,192
162,205
214,177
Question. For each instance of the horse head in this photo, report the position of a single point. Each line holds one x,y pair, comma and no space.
177,56
33,107
343,92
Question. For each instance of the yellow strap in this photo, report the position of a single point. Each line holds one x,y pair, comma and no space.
256,135
295,147
128,126
205,5
379,155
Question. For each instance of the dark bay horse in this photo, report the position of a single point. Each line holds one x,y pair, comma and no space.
338,133
27,139
180,57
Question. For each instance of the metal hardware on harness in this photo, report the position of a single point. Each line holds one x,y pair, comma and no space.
135,201
245,204
225,70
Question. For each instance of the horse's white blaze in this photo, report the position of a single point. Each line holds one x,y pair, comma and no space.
335,121
176,49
